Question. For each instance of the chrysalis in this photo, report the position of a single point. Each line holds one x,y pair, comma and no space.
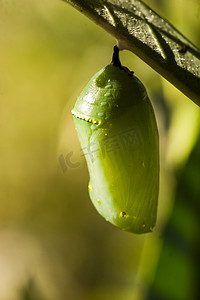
117,130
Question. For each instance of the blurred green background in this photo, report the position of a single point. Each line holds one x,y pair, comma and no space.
53,244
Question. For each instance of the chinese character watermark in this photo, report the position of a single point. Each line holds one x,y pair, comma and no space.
121,141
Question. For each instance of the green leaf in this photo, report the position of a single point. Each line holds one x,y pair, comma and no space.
141,30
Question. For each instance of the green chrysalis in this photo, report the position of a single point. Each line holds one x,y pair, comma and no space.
117,129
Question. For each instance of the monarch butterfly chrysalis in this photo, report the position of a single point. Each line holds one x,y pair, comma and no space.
116,127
